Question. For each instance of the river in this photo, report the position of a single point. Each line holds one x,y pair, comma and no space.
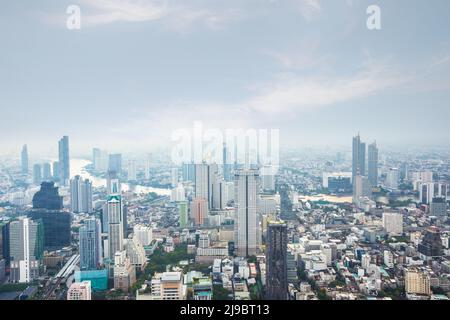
77,168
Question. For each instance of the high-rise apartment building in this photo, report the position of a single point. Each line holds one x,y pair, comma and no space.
115,222
199,211
393,223
90,244
81,195
417,282
37,174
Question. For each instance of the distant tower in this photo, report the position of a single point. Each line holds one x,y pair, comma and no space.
115,163
373,164
47,171
246,183
276,261
64,161
359,158
24,159
37,173
132,173
80,195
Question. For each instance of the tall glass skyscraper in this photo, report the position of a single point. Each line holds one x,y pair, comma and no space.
115,231
64,161
276,261
80,195
90,244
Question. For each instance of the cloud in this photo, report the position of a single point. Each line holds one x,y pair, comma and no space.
294,93
309,9
173,15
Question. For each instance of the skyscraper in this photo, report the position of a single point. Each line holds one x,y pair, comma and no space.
96,158
64,161
47,206
373,164
359,158
113,184
202,181
115,231
115,163
183,211
24,159
392,178
431,245
80,195
246,184
47,171
227,165
132,173
276,261
90,244
37,174
26,249
199,211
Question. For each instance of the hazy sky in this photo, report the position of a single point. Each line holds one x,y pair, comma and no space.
137,70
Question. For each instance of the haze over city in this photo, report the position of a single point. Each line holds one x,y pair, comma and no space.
137,70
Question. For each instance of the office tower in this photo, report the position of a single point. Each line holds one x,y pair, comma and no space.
188,171
37,174
276,261
79,291
48,206
431,245
124,271
48,197
359,158
64,161
26,249
143,234
227,165
115,163
417,282
24,159
174,177
183,211
115,231
56,171
438,208
47,171
113,185
80,195
393,223
373,164
392,178
199,211
90,244
361,188
246,193
132,173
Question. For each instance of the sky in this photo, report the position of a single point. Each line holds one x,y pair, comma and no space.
136,71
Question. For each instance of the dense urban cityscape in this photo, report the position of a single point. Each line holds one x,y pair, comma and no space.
363,224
